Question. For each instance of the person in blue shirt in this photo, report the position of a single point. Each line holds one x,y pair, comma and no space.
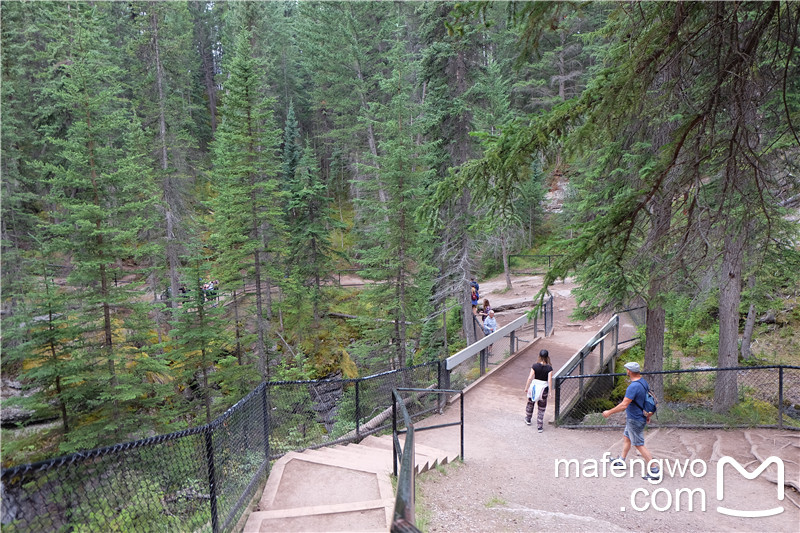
489,326
489,323
636,419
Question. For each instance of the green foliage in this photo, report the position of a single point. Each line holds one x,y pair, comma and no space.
310,249
692,328
595,405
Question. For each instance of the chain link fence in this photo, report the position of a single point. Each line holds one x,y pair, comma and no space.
766,396
630,320
312,414
202,479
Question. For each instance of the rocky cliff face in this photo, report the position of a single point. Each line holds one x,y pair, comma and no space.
11,414
554,198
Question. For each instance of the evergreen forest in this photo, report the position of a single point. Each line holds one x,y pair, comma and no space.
186,186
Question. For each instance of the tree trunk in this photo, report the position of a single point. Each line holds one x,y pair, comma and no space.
654,339
159,316
749,325
317,284
171,245
726,391
203,362
660,221
108,348
171,250
237,329
504,245
62,407
207,64
261,348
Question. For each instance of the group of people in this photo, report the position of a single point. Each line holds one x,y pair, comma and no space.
540,381
210,289
483,312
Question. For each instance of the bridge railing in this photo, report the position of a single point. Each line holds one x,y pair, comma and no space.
596,354
404,519
469,364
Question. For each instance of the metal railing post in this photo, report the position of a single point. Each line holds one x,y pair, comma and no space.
483,361
395,451
545,320
558,399
462,425
780,397
358,410
212,483
512,339
602,350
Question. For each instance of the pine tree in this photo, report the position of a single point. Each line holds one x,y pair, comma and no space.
32,38
395,250
246,208
450,64
103,198
310,250
45,336
162,53
197,344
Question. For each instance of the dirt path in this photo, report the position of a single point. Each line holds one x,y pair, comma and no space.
508,481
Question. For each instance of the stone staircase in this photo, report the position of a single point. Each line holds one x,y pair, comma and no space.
338,488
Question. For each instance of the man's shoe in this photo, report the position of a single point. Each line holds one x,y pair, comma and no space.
619,461
527,422
541,430
655,473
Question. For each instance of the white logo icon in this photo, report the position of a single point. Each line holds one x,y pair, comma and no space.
750,514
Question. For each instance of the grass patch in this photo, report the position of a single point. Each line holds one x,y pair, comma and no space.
495,501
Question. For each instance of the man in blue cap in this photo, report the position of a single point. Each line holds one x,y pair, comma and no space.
636,418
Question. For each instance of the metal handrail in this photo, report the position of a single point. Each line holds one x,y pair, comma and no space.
404,519
577,360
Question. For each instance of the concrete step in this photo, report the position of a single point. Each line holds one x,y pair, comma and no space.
338,488
427,457
366,516
318,491
369,459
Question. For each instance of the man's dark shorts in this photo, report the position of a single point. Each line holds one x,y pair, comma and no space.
634,430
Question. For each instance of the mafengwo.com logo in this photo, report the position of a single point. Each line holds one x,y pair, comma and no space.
777,461
680,499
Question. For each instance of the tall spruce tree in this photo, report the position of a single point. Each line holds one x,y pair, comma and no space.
395,252
310,250
102,197
162,54
247,203
450,64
